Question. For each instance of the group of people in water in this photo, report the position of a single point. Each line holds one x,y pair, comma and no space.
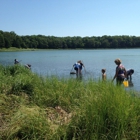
120,73
28,66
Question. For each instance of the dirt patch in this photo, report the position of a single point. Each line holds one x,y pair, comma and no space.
58,115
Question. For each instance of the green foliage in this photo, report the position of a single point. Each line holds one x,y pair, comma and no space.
2,41
10,39
50,108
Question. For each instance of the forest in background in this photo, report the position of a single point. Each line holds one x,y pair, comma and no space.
11,39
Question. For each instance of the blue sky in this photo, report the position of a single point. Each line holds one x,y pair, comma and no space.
70,17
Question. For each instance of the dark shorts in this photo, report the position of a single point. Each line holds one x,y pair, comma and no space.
120,79
76,68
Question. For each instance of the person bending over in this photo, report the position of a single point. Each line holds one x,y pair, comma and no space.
78,67
129,73
28,66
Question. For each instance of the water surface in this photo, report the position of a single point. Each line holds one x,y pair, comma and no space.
59,62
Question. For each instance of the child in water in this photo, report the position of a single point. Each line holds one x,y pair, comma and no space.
103,74
129,73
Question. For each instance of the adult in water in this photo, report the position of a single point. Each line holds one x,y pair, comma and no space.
120,72
78,67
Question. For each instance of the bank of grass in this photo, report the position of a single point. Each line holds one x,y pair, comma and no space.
16,49
50,108
13,49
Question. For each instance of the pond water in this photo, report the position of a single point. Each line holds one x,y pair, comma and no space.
60,62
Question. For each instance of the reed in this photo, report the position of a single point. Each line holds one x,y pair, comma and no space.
53,108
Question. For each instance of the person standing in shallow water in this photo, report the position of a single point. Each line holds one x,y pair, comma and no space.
120,73
103,74
78,67
16,61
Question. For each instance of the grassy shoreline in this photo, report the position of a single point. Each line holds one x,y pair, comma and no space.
16,49
33,49
50,108
27,49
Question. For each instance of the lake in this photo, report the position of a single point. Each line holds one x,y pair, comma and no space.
60,62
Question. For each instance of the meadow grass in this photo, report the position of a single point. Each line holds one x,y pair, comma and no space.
53,108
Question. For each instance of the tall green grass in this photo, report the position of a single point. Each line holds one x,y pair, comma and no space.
52,108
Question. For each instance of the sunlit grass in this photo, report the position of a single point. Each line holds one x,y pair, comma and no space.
52,108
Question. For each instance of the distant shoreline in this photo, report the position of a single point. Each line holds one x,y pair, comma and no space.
16,49
33,49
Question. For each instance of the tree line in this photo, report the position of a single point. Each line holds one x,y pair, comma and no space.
11,39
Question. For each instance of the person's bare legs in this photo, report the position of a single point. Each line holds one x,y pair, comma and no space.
77,73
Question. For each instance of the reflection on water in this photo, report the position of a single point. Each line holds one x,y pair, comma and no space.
130,83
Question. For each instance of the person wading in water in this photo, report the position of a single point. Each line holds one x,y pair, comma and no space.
120,73
78,67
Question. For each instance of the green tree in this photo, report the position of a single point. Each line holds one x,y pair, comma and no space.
7,43
17,42
2,41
